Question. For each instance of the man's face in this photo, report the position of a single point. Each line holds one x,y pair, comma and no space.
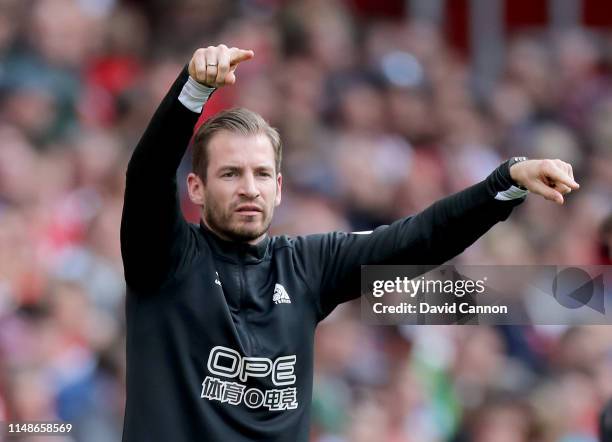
242,186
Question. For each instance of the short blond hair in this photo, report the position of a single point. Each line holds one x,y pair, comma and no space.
237,120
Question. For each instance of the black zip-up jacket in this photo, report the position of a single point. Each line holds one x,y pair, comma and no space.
220,334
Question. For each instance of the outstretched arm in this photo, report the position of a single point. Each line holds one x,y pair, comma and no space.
154,234
431,237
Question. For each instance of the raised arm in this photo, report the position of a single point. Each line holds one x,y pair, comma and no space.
431,237
154,234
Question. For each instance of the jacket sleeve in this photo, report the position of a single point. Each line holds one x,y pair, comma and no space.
154,234
332,262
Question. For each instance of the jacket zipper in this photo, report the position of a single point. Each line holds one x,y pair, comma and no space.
253,342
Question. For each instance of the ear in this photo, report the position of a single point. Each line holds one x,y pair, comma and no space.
195,186
279,186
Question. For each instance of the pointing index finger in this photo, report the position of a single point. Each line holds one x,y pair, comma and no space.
562,177
240,55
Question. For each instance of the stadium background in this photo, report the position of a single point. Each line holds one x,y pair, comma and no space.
384,107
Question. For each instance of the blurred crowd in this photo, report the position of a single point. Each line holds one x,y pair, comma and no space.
379,119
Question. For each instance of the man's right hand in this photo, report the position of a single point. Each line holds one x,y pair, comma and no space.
215,66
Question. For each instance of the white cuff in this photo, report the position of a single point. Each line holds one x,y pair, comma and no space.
194,95
512,193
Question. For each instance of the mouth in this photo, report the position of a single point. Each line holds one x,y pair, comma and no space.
248,210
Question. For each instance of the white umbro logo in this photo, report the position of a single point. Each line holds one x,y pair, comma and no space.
217,281
280,295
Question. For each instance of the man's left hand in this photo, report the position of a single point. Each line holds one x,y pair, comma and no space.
550,178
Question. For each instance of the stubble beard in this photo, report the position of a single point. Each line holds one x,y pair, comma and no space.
222,222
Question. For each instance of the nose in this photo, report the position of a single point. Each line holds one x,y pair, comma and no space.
248,186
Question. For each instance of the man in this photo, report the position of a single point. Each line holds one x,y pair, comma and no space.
221,317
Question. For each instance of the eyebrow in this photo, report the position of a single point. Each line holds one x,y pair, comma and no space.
233,168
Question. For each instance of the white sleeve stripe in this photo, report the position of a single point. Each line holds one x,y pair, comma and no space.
511,194
363,232
194,95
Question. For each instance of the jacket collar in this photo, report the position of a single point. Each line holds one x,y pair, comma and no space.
236,251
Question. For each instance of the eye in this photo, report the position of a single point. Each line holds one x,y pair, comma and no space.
265,174
228,174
